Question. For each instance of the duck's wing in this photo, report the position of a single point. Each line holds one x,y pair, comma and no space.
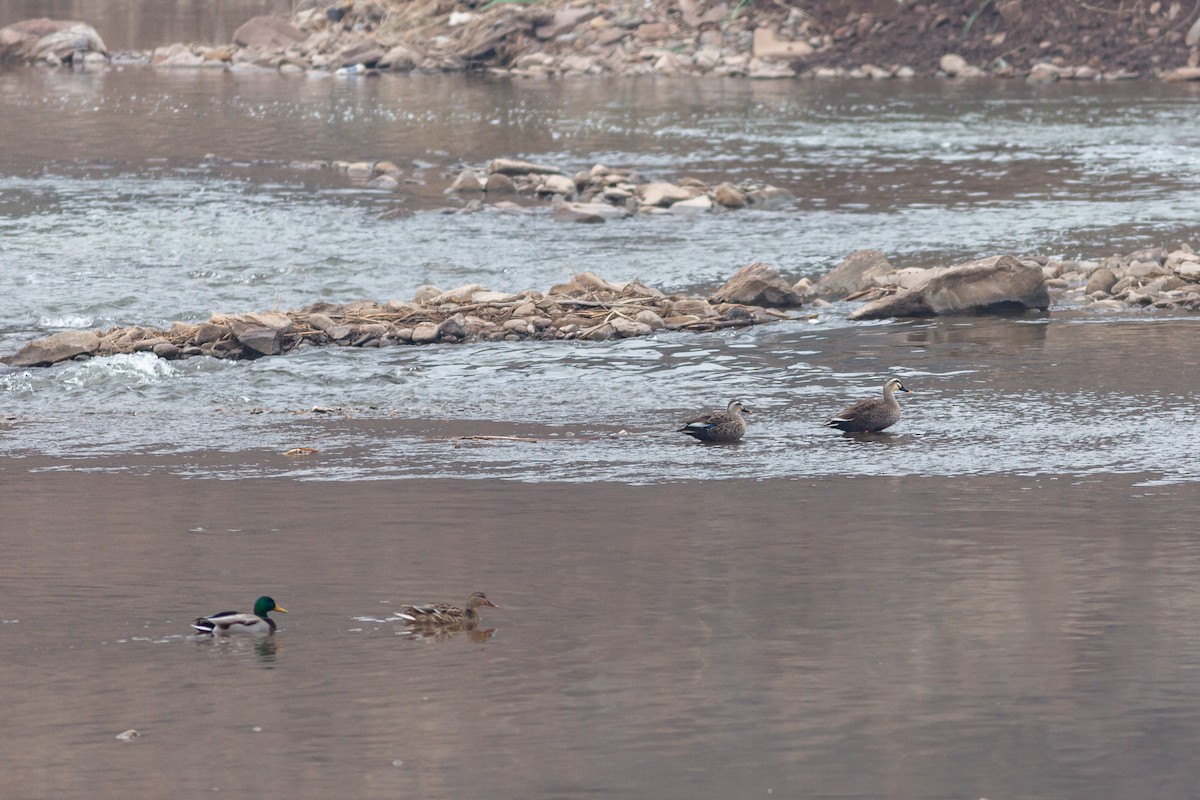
432,613
710,420
852,413
227,620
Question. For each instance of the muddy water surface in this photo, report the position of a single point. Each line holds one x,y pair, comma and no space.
994,599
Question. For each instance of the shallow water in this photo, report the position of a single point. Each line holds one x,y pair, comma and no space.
992,599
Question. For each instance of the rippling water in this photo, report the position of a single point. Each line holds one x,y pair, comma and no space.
992,599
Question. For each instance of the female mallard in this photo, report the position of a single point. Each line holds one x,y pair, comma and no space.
227,622
719,426
444,614
871,416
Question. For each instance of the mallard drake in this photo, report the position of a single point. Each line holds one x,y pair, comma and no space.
444,614
719,426
226,622
871,416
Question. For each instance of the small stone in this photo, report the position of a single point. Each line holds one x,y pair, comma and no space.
627,328
425,333
650,319
696,205
663,194
557,184
466,183
499,184
453,327
1102,280
166,350
729,196
760,285
952,64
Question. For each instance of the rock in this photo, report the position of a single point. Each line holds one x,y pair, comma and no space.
627,328
1182,74
564,20
727,195
763,69
1192,39
426,292
50,40
388,182
772,197
986,285
1102,280
425,333
261,332
458,295
1189,271
856,273
166,350
55,348
365,51
400,58
510,166
952,64
466,183
663,194
1044,72
649,318
696,205
360,169
557,184
587,213
454,327
769,47
757,284
208,332
267,33
498,184
330,328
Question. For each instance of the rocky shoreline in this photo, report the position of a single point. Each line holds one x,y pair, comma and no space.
1038,40
590,308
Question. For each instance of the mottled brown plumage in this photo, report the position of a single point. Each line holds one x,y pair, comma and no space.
719,426
444,614
871,416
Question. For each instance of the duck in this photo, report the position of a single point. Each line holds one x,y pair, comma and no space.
444,614
719,426
224,623
871,416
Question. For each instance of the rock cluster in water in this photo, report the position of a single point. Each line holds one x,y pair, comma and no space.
587,308
1151,278
1041,40
589,196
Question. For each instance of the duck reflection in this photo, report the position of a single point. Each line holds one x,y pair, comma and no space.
473,632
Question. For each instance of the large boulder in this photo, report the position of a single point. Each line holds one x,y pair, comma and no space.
998,283
856,272
48,40
758,285
267,33
56,347
262,332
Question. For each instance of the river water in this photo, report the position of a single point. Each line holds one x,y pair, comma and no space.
991,600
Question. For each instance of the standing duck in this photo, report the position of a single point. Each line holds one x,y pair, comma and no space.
446,615
871,416
719,426
224,623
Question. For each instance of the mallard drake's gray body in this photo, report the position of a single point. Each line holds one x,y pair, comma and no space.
444,614
870,416
719,426
224,623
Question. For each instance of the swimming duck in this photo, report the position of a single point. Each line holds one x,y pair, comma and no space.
719,426
439,614
226,622
871,416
